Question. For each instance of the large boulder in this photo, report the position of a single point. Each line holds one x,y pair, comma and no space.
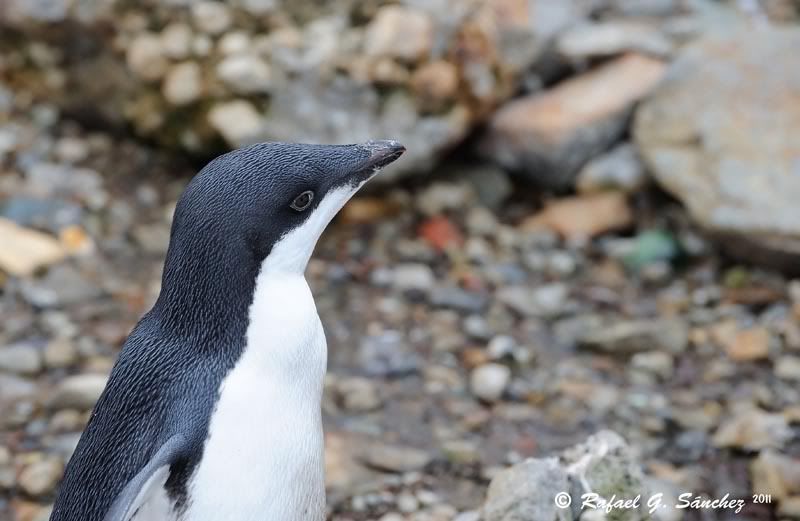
549,136
202,75
722,134
601,475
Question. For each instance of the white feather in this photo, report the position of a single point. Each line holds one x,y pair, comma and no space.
152,503
263,458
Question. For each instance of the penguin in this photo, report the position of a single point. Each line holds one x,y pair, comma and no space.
212,411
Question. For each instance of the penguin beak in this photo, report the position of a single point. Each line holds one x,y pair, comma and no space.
381,153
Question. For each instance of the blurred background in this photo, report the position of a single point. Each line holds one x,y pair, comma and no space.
595,228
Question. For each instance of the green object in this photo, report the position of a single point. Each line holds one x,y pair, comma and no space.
650,247
736,277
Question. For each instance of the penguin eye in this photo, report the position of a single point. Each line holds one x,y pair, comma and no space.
302,201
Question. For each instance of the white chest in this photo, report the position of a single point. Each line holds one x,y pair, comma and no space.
263,458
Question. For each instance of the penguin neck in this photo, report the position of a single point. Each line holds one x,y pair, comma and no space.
206,291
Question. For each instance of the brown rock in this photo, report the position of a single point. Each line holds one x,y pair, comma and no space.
435,82
549,136
145,57
775,474
790,507
362,210
753,429
749,345
41,477
583,216
399,32
394,458
343,471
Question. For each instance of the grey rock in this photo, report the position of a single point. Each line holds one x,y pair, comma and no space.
78,392
477,327
453,297
491,184
644,7
153,238
358,394
727,166
526,491
619,169
601,39
414,277
788,367
387,354
356,113
15,388
23,359
656,362
632,336
394,458
63,285
545,301
48,214
440,197
606,465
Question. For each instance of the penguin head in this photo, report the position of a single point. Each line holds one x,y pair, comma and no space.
269,203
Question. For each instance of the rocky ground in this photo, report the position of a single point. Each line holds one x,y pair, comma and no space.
635,275
468,329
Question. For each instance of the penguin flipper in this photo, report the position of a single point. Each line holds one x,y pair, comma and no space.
144,484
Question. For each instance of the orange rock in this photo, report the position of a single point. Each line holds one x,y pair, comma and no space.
473,357
440,233
548,136
749,345
75,240
584,100
583,217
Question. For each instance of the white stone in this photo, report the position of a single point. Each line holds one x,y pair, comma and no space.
145,57
237,121
211,17
489,381
245,74
176,41
183,83
236,42
259,7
